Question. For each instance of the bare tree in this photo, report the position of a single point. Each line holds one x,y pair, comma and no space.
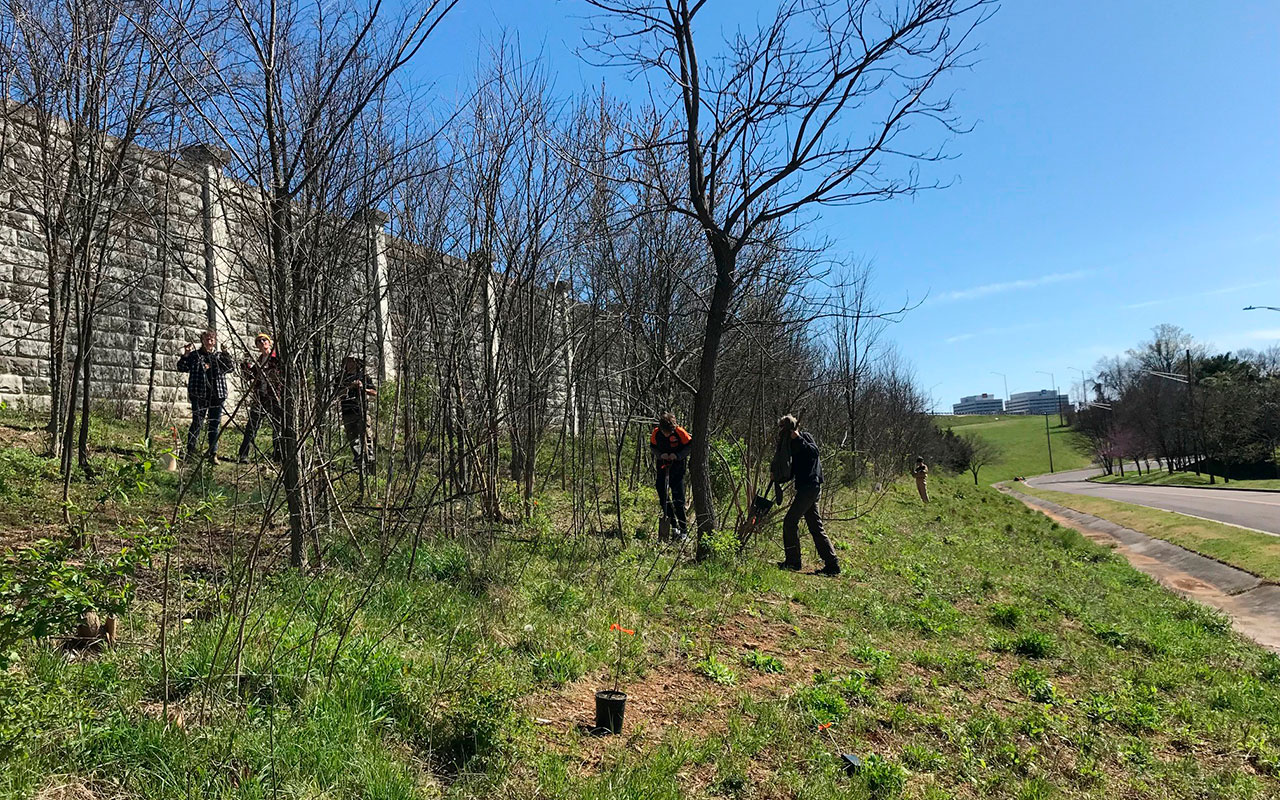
978,453
814,107
301,108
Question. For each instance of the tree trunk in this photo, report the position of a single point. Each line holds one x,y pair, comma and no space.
699,452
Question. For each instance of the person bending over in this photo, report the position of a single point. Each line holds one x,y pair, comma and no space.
806,471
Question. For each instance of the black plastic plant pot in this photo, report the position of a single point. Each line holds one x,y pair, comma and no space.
610,706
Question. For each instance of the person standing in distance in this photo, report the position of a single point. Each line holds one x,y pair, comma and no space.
806,471
207,371
921,473
669,444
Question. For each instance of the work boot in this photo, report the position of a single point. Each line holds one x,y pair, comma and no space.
214,460
790,566
831,568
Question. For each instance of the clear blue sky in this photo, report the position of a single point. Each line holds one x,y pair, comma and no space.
1124,172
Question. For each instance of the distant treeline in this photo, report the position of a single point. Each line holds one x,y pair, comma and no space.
1172,401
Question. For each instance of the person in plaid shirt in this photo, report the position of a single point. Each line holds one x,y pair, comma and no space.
207,370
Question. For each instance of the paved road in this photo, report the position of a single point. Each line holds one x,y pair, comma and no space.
1259,510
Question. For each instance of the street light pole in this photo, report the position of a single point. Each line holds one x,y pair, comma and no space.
1056,398
1084,389
1006,383
1261,308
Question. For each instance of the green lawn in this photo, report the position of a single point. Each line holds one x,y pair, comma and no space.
972,649
1254,552
1021,439
1162,478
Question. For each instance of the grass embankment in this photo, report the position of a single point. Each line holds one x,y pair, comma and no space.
1163,478
1023,447
972,649
1254,552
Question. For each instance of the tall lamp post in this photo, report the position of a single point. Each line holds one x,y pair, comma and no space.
1057,399
1006,383
1084,389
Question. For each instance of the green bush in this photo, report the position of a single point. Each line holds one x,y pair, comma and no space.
1034,683
717,670
20,467
883,777
823,702
762,662
46,588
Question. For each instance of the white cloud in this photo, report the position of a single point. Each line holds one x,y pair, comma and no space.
962,337
1207,293
975,292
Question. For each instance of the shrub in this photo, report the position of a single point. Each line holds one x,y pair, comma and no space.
717,670
883,777
822,702
1034,683
47,587
721,545
762,662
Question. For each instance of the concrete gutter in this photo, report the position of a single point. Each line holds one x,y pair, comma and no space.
1252,604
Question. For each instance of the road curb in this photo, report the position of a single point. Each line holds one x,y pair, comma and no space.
1247,599
1183,486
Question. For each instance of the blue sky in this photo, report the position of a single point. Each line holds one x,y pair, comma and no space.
1124,171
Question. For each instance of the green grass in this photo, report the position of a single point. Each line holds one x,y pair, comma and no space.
1254,552
1021,439
1162,478
972,648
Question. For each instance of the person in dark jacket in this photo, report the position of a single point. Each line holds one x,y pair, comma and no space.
806,471
207,370
263,377
669,444
354,390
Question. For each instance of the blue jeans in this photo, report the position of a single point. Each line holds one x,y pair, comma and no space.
204,411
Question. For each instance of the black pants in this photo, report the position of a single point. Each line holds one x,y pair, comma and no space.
673,503
204,411
805,505
257,413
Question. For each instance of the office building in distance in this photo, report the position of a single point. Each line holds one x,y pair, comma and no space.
1045,401
979,404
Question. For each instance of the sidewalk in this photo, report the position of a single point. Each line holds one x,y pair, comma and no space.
1252,604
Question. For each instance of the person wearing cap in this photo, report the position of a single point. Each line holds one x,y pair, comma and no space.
263,376
806,471
354,388
669,444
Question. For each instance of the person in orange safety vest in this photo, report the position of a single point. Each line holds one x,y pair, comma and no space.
670,446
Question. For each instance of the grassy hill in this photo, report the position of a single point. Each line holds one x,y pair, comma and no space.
1022,443
971,649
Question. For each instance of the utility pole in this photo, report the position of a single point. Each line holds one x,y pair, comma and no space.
1048,441
1057,399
